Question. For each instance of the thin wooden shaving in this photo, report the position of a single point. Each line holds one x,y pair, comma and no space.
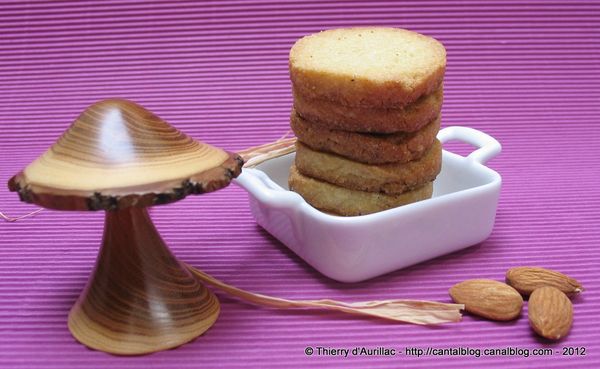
407,311
258,154
6,218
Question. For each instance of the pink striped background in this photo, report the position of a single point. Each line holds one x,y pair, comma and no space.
525,72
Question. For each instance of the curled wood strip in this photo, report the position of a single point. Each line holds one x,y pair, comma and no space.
407,311
10,219
255,155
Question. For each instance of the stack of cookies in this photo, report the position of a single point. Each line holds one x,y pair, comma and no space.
366,113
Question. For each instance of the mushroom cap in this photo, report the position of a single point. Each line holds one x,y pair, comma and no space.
118,154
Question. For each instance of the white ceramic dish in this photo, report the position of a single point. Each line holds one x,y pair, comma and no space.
461,213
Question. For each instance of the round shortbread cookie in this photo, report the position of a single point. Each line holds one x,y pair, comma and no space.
387,178
409,118
342,201
367,148
367,66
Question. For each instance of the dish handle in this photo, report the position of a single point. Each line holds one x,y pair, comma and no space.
266,191
487,146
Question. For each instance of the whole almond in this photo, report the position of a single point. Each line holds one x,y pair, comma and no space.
550,312
527,279
488,298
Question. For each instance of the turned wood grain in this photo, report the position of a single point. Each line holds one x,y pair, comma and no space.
119,157
118,154
140,298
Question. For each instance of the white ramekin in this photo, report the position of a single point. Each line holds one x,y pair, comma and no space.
461,213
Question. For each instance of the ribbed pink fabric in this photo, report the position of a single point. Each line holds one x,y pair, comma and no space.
525,72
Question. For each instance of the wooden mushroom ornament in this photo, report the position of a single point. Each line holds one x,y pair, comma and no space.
121,158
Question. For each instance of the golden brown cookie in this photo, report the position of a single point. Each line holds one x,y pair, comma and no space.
387,178
342,201
367,66
366,147
409,118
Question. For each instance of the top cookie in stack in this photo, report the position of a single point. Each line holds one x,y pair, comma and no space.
366,112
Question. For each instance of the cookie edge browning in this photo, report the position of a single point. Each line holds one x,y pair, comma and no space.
359,91
346,202
409,118
387,178
366,148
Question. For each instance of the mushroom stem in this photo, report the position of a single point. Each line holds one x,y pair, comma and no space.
140,298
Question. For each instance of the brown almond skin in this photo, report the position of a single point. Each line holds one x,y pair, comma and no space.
526,279
488,298
550,313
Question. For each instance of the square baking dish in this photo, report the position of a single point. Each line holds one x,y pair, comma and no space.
460,214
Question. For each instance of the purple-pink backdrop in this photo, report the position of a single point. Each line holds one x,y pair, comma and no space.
524,72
